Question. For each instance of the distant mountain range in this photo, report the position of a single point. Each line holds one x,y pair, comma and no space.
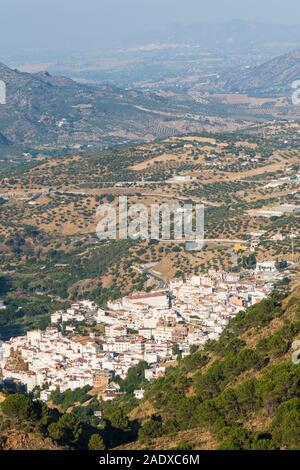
235,34
54,114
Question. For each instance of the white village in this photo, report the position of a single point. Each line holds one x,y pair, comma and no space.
146,326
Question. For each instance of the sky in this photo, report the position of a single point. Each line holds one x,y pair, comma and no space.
33,24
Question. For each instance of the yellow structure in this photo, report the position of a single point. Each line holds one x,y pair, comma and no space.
240,247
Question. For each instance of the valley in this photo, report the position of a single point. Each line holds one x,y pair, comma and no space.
49,246
150,231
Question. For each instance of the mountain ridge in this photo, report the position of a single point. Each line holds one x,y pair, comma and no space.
232,34
45,112
272,78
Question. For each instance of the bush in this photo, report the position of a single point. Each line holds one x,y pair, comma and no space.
197,360
236,439
69,397
151,429
286,424
96,442
279,384
20,407
135,378
67,430
118,419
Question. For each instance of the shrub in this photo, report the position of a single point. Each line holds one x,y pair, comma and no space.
20,407
151,429
286,424
67,430
96,442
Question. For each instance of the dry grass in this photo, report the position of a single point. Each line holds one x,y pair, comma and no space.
198,438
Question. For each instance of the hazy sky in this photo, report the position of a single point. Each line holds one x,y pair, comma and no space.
67,23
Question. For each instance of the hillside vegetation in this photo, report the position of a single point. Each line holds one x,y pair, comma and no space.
51,256
241,392
272,78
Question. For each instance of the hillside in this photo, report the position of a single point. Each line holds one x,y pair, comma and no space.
241,392
50,254
52,114
273,78
16,439
56,112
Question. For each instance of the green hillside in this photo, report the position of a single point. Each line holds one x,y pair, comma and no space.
241,392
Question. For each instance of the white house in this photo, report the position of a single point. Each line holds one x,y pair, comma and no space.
139,394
